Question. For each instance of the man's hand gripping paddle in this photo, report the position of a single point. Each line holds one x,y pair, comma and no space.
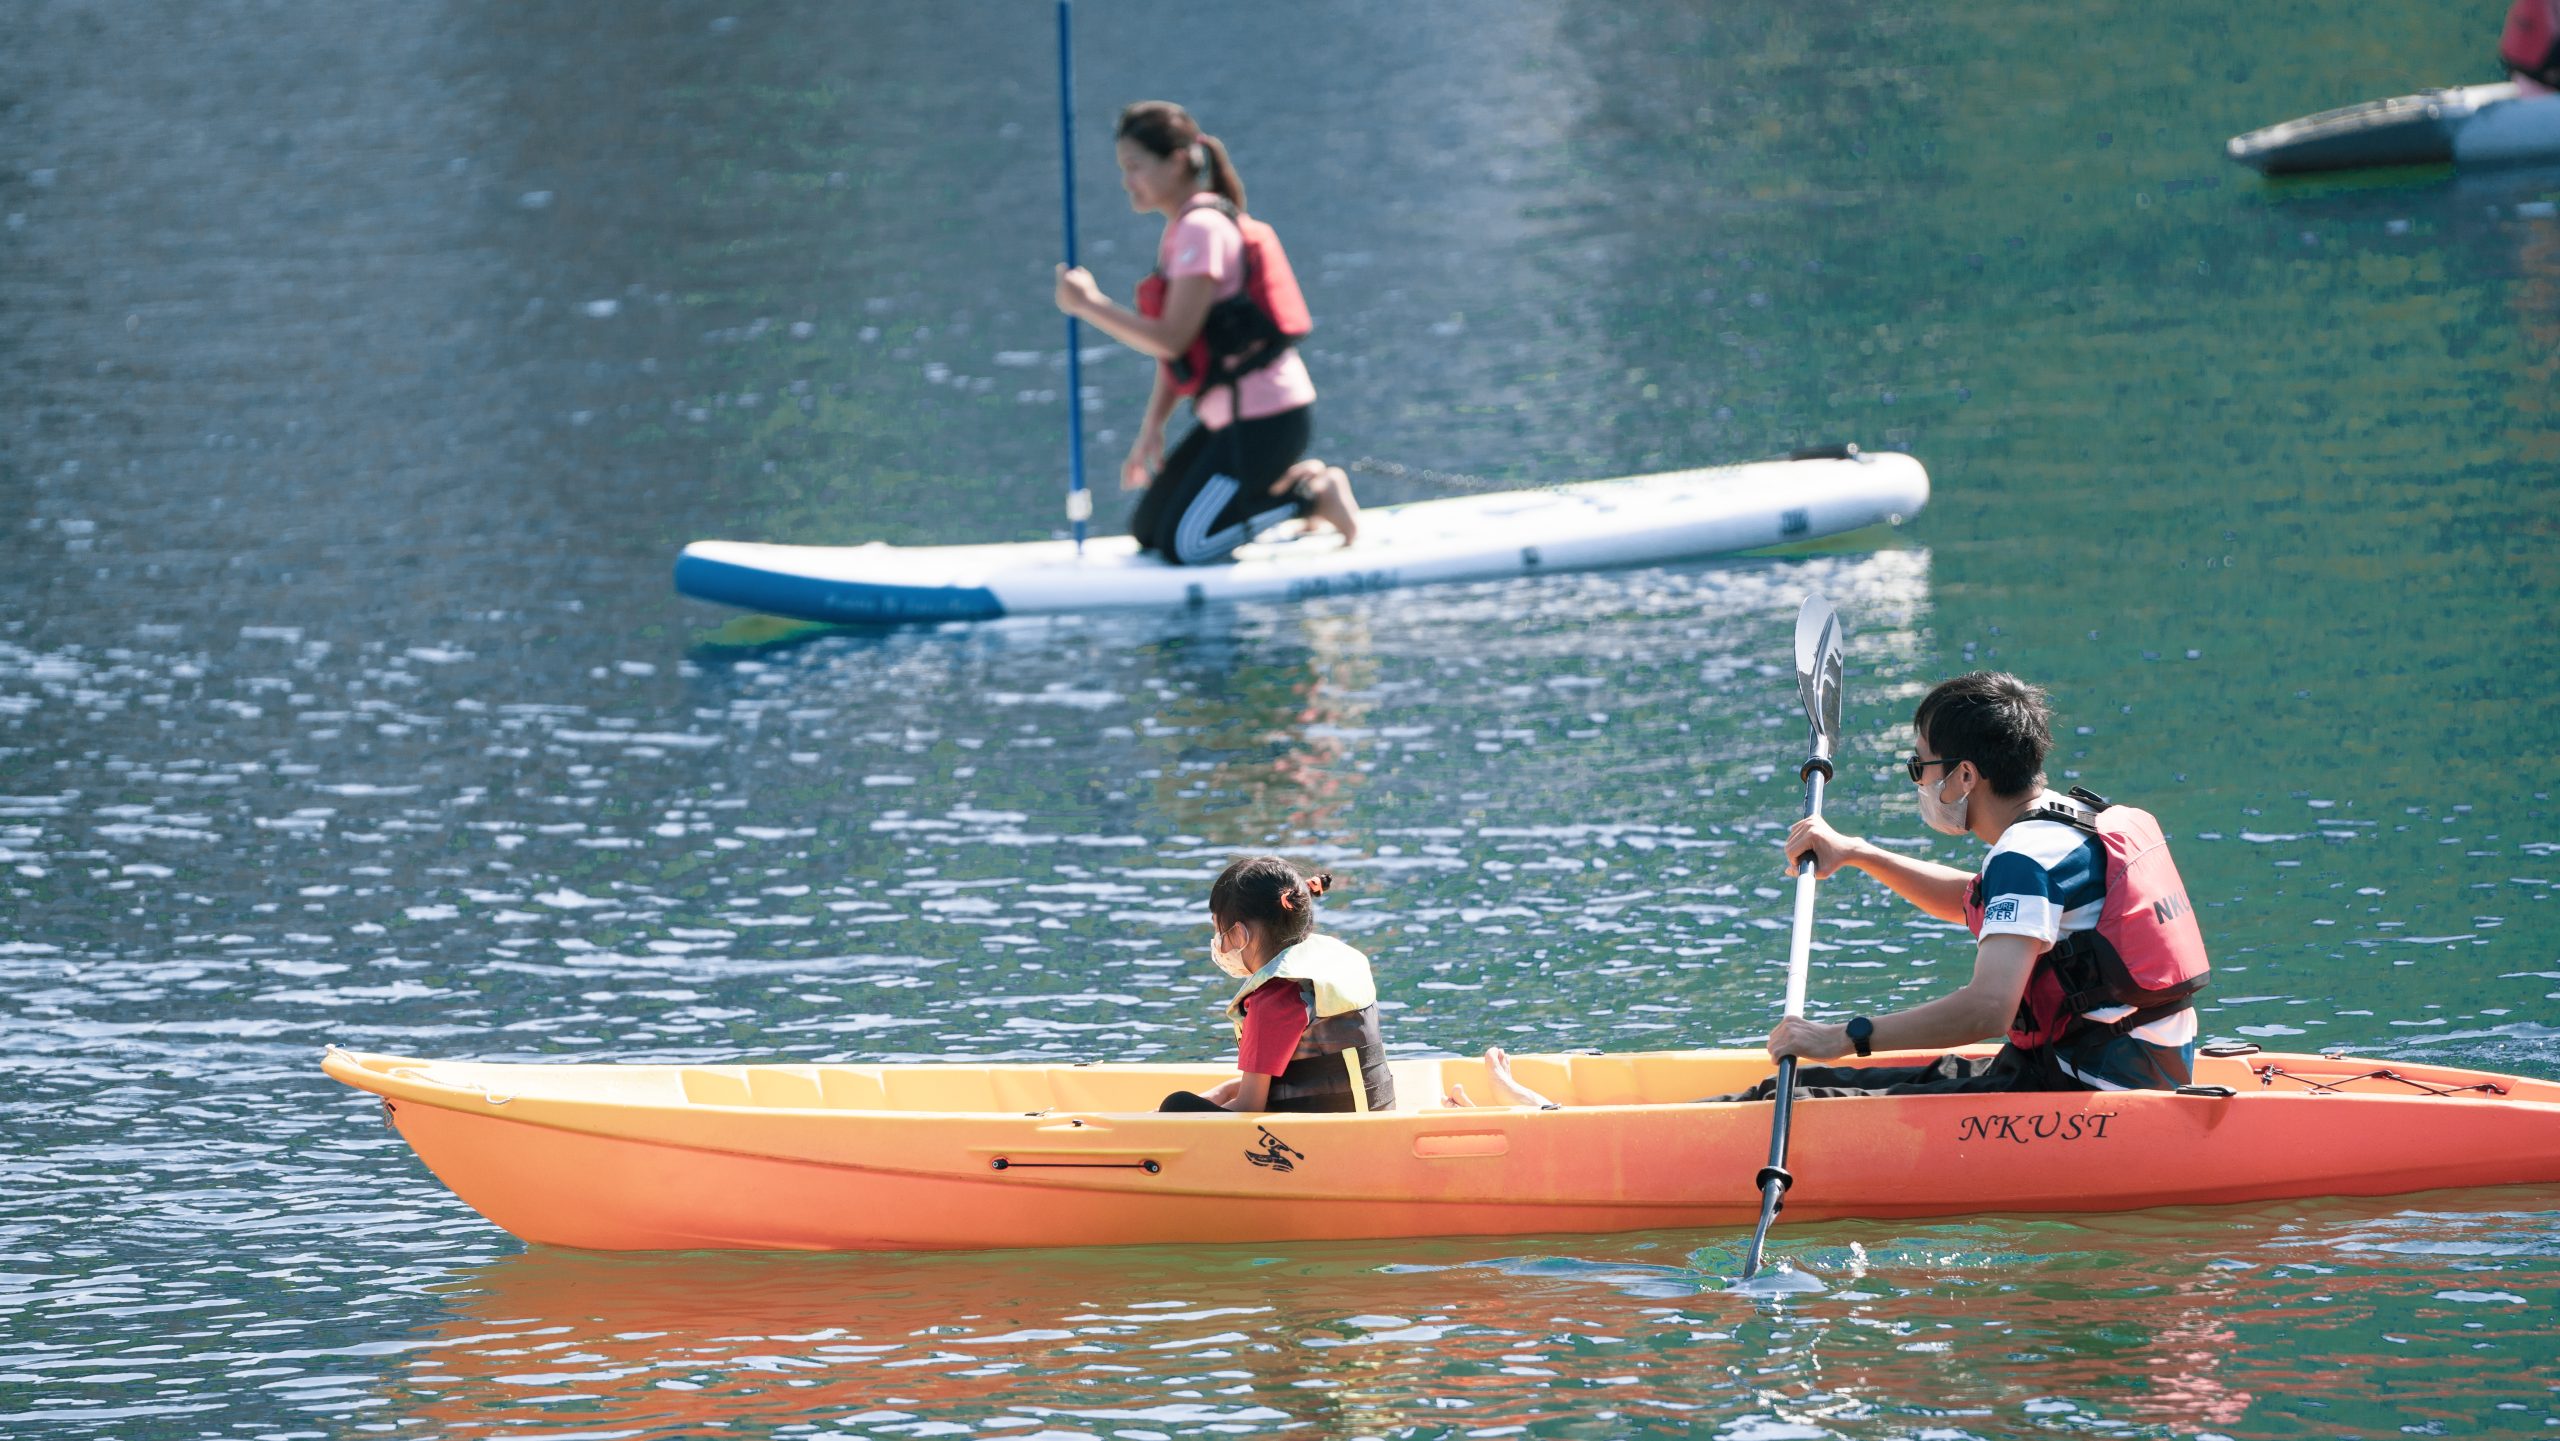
1818,678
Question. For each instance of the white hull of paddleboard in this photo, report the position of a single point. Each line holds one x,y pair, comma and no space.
2472,126
1640,520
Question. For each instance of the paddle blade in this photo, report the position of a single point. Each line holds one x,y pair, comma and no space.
1820,670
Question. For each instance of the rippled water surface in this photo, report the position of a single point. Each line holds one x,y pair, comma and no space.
367,363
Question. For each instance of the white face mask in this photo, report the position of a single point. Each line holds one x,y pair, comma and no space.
1939,815
1231,962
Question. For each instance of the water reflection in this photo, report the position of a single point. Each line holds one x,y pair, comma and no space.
1138,1337
2329,1314
2534,433
1257,742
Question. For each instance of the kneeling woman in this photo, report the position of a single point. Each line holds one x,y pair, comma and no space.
1219,315
1306,1015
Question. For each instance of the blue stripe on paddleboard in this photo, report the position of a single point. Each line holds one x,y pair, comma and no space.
801,597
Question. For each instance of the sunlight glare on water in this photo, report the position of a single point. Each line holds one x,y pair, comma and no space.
371,362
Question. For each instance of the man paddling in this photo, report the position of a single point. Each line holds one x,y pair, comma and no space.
2087,950
2087,953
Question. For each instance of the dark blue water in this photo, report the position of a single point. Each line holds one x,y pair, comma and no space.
367,364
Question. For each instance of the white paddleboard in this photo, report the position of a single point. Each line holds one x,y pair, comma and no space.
1639,520
2473,126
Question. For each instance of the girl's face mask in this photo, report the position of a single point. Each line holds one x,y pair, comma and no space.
1940,815
1231,962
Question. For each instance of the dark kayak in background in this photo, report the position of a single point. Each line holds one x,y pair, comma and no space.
2468,126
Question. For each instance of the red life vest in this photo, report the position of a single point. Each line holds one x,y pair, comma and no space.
1249,329
2146,950
2530,45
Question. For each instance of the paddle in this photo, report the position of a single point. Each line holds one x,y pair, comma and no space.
1079,499
1818,676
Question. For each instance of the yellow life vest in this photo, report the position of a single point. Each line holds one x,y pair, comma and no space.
1340,1056
1338,974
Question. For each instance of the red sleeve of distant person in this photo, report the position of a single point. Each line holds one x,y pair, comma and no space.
2530,36
1275,1016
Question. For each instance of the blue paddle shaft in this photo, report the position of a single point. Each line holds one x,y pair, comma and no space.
1079,505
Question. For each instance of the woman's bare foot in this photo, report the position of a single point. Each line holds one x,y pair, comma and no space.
1328,489
1507,1090
1506,1085
1335,505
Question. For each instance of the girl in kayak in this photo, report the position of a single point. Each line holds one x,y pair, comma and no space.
1306,1011
1218,316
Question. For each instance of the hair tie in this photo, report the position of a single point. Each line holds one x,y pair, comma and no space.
1287,904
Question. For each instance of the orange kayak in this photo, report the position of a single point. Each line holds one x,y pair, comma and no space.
968,1157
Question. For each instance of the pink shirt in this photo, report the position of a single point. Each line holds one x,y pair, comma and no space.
1203,241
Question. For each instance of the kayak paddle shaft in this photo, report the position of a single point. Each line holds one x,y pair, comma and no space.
1819,673
1774,1178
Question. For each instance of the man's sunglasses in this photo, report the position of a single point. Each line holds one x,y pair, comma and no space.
1917,766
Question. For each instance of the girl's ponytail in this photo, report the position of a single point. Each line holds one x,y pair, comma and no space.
1269,892
1220,174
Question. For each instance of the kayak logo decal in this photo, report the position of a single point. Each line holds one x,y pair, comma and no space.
1276,1154
2028,1128
1794,522
2000,910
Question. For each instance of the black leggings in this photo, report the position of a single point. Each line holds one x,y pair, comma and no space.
1214,492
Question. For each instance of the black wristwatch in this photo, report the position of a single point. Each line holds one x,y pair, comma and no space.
1862,1034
